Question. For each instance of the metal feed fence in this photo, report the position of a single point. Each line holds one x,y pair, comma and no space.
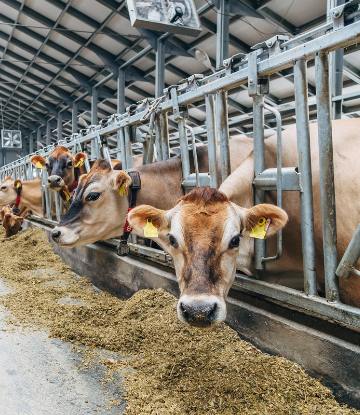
254,68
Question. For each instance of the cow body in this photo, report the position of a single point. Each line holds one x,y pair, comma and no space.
12,223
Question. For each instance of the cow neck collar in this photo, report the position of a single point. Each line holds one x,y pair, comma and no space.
123,248
76,181
15,210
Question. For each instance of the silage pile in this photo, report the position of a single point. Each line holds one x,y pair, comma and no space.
175,368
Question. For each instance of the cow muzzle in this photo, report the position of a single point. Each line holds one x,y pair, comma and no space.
55,182
203,310
64,236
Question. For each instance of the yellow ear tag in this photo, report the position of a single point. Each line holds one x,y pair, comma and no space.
67,197
79,163
149,230
122,190
18,184
39,165
258,231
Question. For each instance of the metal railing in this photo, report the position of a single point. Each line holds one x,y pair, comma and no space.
254,69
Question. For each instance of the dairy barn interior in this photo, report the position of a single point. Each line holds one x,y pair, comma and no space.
179,205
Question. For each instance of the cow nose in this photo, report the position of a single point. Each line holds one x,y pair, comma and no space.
199,314
55,235
54,180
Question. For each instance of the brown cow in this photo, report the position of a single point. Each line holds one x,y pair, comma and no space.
186,227
12,223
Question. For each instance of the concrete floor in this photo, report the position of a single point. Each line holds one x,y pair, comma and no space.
39,376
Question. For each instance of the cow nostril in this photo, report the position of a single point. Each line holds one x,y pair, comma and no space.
212,313
55,235
184,312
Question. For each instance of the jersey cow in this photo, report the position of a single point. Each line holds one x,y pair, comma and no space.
11,222
203,228
100,212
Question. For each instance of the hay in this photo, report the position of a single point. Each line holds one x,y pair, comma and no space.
172,368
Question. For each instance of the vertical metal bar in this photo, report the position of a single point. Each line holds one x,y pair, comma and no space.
74,120
212,148
351,256
326,175
94,121
160,69
59,126
304,163
259,166
121,109
38,145
222,34
196,164
184,149
164,135
158,138
129,131
48,133
222,130
31,143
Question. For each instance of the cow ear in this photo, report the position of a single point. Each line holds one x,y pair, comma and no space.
38,161
80,159
122,182
17,184
277,216
138,218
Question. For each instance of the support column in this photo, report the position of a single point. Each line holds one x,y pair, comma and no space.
212,148
222,133
38,139
222,34
59,126
304,163
48,133
121,109
94,120
326,175
74,120
31,143
160,69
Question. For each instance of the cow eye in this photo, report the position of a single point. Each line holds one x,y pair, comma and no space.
3,188
69,164
92,196
47,165
235,241
172,241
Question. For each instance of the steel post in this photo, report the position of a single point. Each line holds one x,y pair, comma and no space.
121,109
48,133
259,166
326,175
304,165
31,143
94,120
160,68
222,33
164,129
38,139
211,136
184,149
59,126
222,133
158,138
130,131
74,120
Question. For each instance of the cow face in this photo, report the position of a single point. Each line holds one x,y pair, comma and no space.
11,222
60,166
204,234
100,195
8,192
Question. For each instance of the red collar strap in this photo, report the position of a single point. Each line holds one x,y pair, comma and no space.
123,248
15,209
76,182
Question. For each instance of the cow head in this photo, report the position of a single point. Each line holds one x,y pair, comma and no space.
99,208
11,222
8,191
60,166
204,232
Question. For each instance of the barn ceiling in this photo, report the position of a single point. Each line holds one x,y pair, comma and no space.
53,51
